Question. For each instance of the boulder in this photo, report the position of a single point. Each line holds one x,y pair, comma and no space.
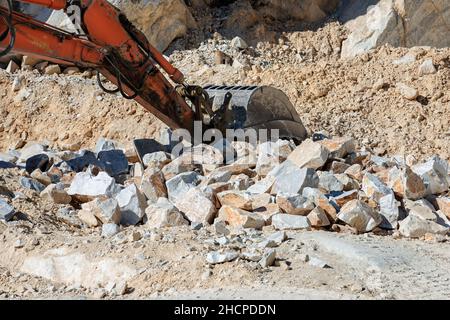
415,227
423,212
240,218
236,199
156,159
56,195
105,210
110,230
406,183
271,154
360,216
386,22
294,204
41,177
7,211
85,186
289,178
329,182
161,21
339,147
290,222
318,218
443,204
434,174
114,162
153,184
178,186
309,155
39,161
31,184
132,205
216,257
390,212
197,206
180,165
163,214
374,188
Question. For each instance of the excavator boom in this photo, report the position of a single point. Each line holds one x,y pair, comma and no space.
121,53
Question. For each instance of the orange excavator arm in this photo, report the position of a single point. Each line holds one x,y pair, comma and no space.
113,46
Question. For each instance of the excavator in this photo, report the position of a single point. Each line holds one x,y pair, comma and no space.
121,54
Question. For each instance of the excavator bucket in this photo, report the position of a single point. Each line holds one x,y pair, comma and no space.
257,107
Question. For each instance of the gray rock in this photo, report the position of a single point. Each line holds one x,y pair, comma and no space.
278,237
31,150
309,155
434,174
220,227
178,186
110,230
153,184
197,206
316,262
294,204
163,214
216,257
415,227
7,212
374,188
105,145
329,182
268,259
69,216
290,222
86,186
290,179
239,43
423,212
132,204
105,210
253,256
31,184
390,211
114,162
360,216
156,159
8,157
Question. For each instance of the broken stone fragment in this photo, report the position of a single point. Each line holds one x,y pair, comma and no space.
56,195
309,155
345,197
178,186
268,211
423,212
374,188
237,199
105,210
262,186
132,205
30,150
69,216
197,206
239,43
288,178
268,258
390,212
321,201
355,172
39,161
339,167
271,154
434,174
339,147
105,145
240,218
407,92
294,204
52,69
31,184
245,153
180,165
114,162
164,214
443,204
318,218
86,187
260,200
7,212
41,177
153,184
110,230
360,216
290,222
329,182
88,218
241,182
216,257
156,159
406,183
415,227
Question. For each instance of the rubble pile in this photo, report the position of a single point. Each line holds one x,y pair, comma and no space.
318,185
